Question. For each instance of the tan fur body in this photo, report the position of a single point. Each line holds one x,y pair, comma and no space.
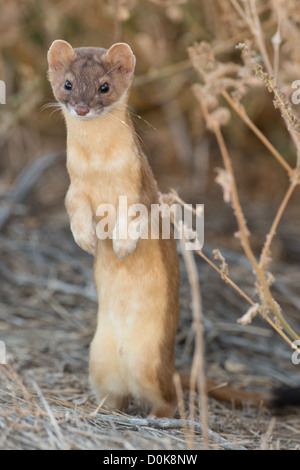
132,350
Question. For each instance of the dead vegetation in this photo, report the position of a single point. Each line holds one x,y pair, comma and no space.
47,294
47,318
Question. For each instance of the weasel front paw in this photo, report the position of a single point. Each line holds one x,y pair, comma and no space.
124,248
86,239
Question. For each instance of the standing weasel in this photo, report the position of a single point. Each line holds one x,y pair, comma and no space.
132,352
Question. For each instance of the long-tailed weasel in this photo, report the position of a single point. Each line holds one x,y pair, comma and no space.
132,353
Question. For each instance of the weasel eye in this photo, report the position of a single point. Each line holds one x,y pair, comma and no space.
104,88
68,85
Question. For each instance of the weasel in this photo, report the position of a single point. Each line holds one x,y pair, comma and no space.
132,352
137,279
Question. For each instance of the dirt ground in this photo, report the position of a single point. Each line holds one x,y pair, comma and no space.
47,320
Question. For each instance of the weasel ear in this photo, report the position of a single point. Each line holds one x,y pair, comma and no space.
60,53
120,54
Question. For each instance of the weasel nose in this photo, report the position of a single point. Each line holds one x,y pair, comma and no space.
81,110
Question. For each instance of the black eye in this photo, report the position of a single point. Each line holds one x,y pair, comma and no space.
68,85
104,88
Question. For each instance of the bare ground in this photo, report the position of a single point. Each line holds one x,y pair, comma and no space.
47,319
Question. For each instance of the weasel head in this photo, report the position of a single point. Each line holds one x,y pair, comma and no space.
90,81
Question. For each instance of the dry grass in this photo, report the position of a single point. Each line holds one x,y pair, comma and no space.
48,319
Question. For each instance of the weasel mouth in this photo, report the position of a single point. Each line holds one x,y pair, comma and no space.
85,114
81,110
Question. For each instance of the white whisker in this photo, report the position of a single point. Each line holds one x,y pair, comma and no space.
54,111
51,105
135,115
127,125
55,105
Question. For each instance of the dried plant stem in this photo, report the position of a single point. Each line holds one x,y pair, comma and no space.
198,367
251,18
266,437
179,392
229,281
163,72
272,232
61,443
276,41
258,268
257,32
225,277
163,424
242,113
267,301
244,237
266,298
240,11
287,117
8,371
240,110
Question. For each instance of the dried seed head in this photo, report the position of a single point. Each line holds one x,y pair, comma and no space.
247,318
224,179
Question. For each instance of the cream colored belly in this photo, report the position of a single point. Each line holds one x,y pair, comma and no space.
132,303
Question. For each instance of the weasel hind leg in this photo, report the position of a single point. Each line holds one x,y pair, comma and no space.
114,402
159,394
164,410
104,377
108,398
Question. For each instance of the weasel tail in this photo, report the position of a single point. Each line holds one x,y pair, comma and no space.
276,398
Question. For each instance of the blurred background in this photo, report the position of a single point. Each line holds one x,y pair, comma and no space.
47,296
183,155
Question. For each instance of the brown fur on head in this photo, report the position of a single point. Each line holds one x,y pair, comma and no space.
91,80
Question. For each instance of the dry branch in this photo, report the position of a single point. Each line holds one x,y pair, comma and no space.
198,377
216,82
164,424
